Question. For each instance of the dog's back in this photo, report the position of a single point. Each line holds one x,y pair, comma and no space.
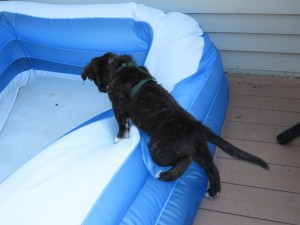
176,137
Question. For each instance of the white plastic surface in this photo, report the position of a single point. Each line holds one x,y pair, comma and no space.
61,184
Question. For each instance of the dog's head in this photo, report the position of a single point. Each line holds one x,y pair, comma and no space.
98,70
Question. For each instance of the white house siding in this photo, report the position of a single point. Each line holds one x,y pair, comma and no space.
256,37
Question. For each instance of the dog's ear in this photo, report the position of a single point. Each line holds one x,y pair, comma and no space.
93,68
86,72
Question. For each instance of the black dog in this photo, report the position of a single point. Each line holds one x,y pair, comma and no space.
176,137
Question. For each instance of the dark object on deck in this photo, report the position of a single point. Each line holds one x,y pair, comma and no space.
289,134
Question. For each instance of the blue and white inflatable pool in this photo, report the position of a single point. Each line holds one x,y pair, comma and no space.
58,163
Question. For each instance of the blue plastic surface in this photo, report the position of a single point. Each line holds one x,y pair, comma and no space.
44,44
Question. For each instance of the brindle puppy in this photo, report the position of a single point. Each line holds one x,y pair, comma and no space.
176,137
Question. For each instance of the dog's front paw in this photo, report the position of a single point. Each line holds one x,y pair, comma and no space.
121,137
117,140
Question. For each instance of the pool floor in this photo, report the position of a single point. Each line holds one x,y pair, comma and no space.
47,107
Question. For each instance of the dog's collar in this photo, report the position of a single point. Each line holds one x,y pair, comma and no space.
137,87
128,64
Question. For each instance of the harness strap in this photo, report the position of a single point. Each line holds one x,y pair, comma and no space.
138,86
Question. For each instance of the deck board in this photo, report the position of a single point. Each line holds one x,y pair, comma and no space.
212,217
260,107
249,175
265,88
263,117
255,202
285,155
264,81
255,132
267,103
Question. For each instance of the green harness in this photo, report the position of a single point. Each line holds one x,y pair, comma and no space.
138,86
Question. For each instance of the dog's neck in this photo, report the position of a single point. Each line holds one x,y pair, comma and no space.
115,62
127,64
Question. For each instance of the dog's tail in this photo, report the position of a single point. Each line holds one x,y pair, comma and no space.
231,149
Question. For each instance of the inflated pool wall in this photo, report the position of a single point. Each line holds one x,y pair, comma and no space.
63,39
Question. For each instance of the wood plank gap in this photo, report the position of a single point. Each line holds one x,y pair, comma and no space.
268,189
267,124
269,110
264,96
250,217
261,108
274,164
267,142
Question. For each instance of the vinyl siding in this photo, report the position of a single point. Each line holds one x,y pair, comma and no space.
255,37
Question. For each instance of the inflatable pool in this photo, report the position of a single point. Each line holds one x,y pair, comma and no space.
58,162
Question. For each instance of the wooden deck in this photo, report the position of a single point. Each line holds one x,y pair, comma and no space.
259,109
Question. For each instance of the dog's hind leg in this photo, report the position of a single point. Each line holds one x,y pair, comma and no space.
177,170
165,154
206,162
